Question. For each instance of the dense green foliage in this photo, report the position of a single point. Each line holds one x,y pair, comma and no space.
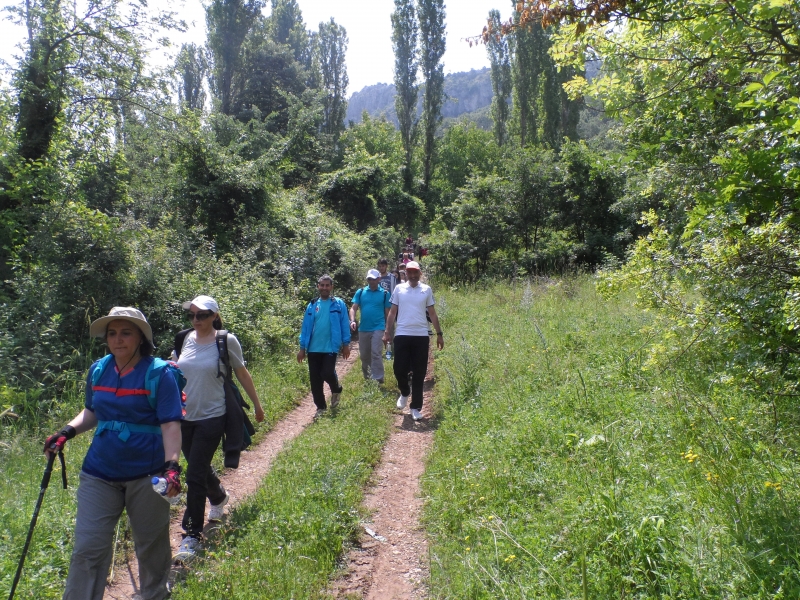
575,461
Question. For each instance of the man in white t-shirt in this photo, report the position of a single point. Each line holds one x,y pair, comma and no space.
410,301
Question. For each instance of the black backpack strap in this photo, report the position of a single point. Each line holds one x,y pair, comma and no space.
221,340
180,339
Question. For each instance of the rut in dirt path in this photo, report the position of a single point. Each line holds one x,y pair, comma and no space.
239,483
397,568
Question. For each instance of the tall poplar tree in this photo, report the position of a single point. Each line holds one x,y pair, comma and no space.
529,47
287,27
192,68
228,22
332,47
500,60
404,42
431,51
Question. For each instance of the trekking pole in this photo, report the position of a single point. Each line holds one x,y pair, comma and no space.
48,470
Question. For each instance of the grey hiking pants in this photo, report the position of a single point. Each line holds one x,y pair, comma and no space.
100,505
370,347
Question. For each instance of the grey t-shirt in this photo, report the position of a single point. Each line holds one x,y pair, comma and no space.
205,394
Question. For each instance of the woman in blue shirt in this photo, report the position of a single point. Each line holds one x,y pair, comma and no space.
133,402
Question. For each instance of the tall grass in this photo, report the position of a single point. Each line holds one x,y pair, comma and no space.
568,466
280,383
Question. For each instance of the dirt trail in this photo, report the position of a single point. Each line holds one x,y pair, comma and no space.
395,569
240,483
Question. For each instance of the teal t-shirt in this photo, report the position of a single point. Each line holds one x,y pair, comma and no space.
373,305
321,334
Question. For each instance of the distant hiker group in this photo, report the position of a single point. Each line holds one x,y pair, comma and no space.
145,411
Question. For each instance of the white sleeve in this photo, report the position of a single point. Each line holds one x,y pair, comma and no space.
235,352
394,299
430,301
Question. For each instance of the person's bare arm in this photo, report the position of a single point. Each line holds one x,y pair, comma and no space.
352,312
436,327
84,421
387,334
171,435
244,377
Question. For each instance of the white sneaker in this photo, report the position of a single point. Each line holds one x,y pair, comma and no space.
415,414
188,549
217,511
335,400
402,401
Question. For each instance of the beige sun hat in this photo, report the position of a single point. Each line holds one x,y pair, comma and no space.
122,313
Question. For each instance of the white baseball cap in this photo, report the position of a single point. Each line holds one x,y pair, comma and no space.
412,265
203,303
373,274
122,313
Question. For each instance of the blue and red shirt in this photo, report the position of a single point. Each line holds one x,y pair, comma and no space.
122,398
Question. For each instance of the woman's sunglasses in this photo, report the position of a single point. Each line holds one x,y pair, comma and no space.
199,316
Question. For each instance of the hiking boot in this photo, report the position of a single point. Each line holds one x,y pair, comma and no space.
402,401
218,510
319,413
335,399
188,549
415,414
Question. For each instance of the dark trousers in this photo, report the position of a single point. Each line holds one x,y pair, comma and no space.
200,440
411,356
322,369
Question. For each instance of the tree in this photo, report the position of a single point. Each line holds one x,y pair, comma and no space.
228,22
404,42
500,59
431,50
287,27
192,69
332,47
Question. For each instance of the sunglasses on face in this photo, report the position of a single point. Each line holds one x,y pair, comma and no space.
191,316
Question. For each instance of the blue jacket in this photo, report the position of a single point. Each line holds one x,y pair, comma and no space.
339,335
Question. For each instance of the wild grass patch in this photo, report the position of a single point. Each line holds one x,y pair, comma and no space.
566,466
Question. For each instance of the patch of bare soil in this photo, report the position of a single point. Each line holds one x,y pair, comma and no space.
239,483
395,567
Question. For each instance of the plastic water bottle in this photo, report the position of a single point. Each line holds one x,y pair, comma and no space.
160,486
389,352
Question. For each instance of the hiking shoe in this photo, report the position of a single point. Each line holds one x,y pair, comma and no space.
319,413
218,510
402,401
415,414
188,549
335,399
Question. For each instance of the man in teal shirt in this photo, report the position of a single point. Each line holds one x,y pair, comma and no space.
374,303
325,331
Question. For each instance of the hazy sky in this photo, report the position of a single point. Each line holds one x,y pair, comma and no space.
369,56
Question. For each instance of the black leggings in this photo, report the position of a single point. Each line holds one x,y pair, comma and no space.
199,441
411,356
322,369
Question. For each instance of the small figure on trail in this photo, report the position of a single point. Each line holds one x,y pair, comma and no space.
204,353
401,275
406,259
134,401
409,241
374,303
325,331
412,340
389,281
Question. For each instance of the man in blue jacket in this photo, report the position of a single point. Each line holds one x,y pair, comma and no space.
326,329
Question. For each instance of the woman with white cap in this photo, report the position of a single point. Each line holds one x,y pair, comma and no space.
204,423
133,402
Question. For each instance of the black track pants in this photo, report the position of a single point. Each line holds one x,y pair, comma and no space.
322,369
411,356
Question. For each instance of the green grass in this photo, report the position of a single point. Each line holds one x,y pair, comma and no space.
286,540
280,383
569,465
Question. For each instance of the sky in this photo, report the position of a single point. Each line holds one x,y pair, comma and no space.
369,56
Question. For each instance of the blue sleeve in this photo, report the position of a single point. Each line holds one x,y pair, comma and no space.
344,321
306,328
357,297
168,400
387,300
88,394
